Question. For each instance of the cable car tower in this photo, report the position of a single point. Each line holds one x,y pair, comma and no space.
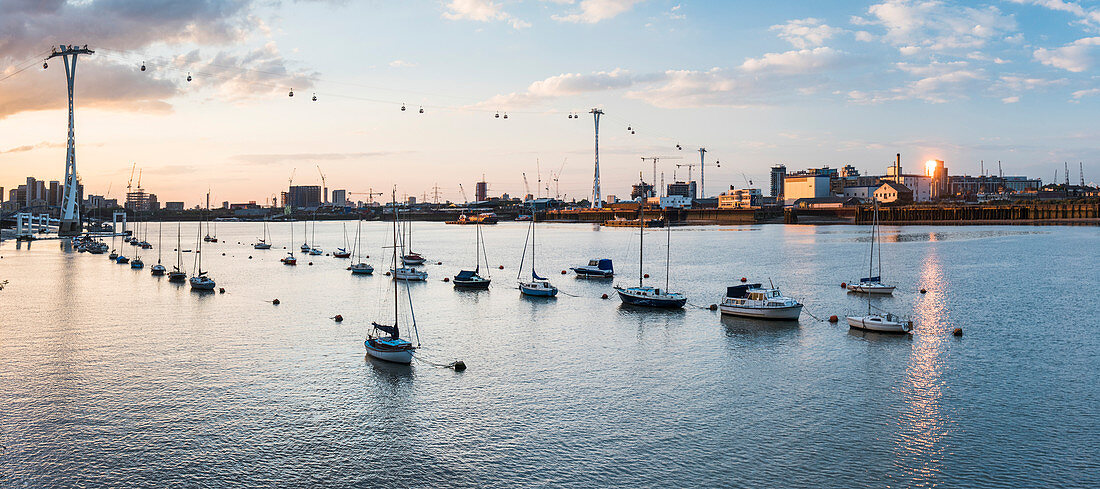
596,113
70,210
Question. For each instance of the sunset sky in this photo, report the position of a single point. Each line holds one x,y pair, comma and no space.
803,83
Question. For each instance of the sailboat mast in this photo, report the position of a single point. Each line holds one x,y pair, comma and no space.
878,236
395,280
668,252
477,248
532,240
641,233
179,242
160,249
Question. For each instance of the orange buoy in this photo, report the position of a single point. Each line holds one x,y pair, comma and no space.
502,267
386,274
957,332
713,307
833,318
563,272
446,279
275,302
924,291
338,318
438,263
843,285
743,279
603,296
646,275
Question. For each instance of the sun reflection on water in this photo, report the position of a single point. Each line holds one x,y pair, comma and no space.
922,423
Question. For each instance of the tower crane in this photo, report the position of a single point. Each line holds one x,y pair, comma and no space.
746,179
689,165
130,183
655,160
465,199
324,186
139,180
370,194
526,187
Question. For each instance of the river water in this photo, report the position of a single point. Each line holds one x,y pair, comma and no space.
111,377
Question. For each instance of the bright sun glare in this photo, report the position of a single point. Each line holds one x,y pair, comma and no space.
929,167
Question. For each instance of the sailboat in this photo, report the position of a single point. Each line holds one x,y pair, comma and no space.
289,259
875,321
359,267
314,250
412,257
649,296
200,281
405,272
136,263
343,252
389,345
159,269
178,274
873,284
114,254
472,279
208,238
305,229
537,286
263,243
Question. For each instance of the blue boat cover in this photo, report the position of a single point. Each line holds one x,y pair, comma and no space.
535,275
394,332
740,291
871,279
466,275
605,264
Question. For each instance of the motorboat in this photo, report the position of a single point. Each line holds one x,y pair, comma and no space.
881,323
408,273
756,301
597,268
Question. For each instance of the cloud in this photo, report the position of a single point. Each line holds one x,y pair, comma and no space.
1085,16
1076,56
30,147
935,82
1010,100
1086,93
806,33
481,11
594,11
103,83
935,25
400,63
248,74
767,80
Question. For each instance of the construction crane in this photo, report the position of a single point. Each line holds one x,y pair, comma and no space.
689,165
556,177
526,187
139,180
370,194
324,186
130,183
465,200
290,183
655,160
749,182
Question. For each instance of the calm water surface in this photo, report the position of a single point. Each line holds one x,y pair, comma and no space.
111,377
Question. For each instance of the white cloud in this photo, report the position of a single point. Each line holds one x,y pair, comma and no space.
400,63
1076,56
1010,100
593,11
481,11
806,33
1085,16
801,61
936,25
936,83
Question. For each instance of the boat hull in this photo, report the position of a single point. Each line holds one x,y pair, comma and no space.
872,289
472,284
177,277
588,273
412,260
157,270
652,301
409,275
262,246
403,356
534,290
366,270
201,284
879,325
785,313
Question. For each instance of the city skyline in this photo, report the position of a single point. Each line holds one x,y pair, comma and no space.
804,85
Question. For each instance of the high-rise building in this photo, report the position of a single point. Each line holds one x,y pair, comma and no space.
141,201
340,197
481,192
683,189
779,173
173,206
305,196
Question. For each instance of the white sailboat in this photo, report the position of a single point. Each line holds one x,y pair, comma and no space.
159,269
872,284
290,259
200,281
537,286
412,257
385,342
406,272
313,249
343,252
874,321
360,267
178,274
264,243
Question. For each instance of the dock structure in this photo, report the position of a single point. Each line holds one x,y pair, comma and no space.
976,214
672,216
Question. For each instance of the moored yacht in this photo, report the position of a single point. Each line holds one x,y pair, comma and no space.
881,323
596,268
756,301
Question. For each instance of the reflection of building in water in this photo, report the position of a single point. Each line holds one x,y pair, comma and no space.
923,424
